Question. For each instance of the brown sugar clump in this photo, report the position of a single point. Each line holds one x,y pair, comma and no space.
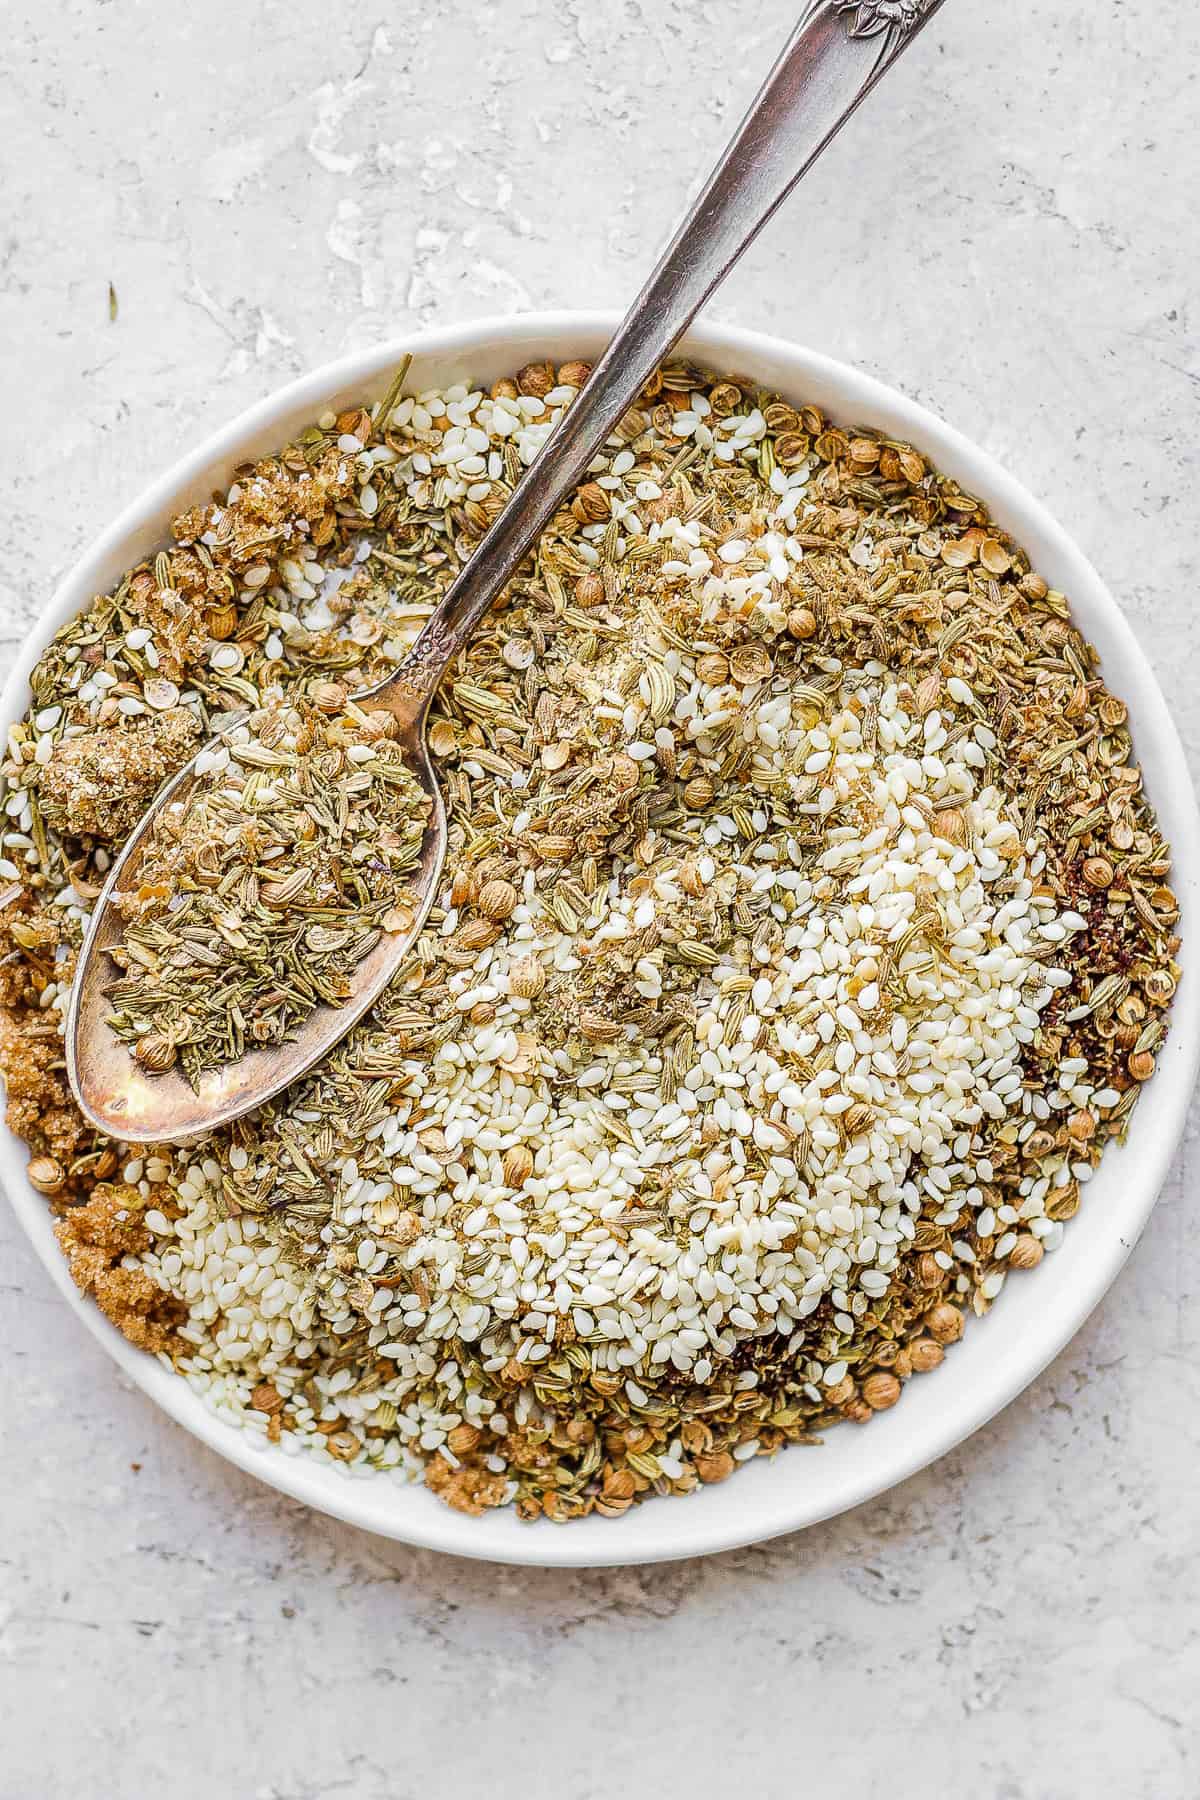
100,784
521,1450
111,1221
94,1239
468,1489
275,504
40,1106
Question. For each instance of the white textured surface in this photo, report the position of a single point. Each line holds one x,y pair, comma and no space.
1007,233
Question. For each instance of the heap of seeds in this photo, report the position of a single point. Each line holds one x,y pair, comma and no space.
259,892
805,937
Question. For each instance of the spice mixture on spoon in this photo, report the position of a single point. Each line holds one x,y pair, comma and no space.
258,893
805,937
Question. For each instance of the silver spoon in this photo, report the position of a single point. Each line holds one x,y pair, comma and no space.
835,56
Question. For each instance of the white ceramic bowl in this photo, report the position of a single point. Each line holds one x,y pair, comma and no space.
1033,1319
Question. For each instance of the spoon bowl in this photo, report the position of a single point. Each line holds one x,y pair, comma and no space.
119,1097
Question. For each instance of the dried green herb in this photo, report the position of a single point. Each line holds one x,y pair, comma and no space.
258,894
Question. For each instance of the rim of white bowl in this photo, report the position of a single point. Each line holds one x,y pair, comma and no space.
1031,1323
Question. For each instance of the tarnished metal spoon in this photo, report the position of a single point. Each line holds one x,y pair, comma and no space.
835,56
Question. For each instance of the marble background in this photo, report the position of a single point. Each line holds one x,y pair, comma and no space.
1007,233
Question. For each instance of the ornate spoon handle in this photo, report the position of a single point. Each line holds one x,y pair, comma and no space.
835,56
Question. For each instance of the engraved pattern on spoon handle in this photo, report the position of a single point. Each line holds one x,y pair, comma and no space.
838,52
871,17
